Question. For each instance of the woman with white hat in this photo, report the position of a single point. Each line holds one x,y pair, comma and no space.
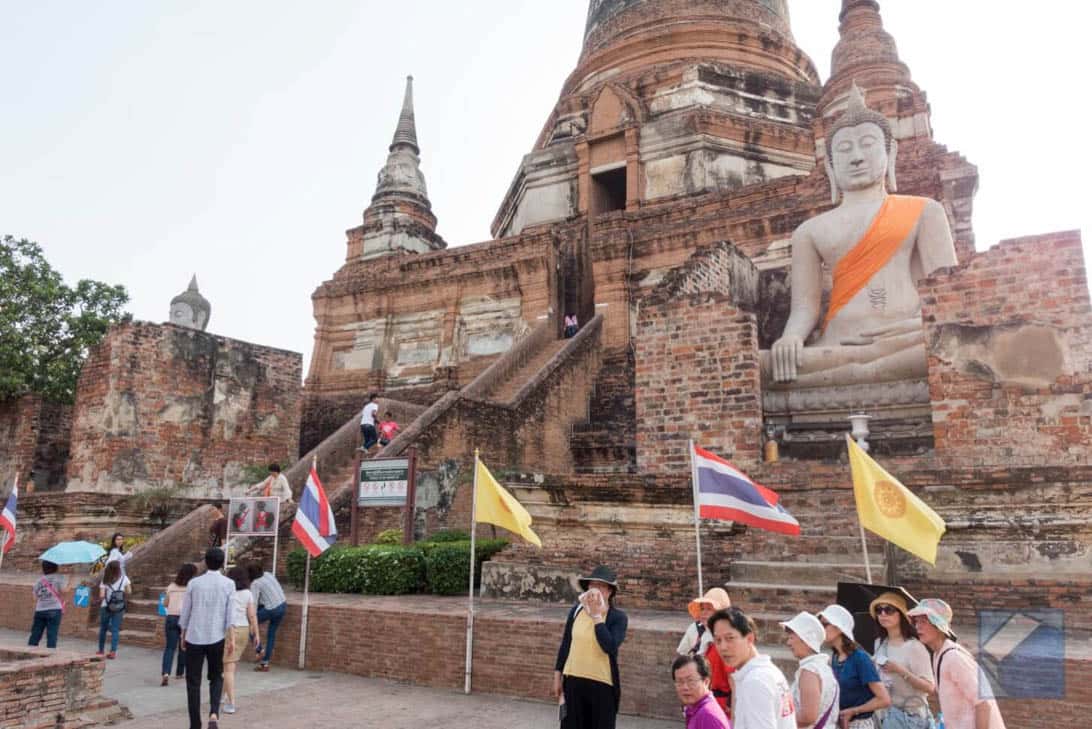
814,688
860,691
904,665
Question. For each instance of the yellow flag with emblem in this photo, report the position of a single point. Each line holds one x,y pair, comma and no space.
494,505
889,509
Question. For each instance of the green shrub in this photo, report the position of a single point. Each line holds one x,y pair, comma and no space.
447,564
389,536
450,535
375,569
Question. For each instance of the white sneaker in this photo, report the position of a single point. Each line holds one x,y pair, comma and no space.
229,708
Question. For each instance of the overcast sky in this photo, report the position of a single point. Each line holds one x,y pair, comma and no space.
142,141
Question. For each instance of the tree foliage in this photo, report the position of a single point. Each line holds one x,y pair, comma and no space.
46,326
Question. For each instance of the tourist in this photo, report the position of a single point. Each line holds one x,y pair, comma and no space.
274,485
860,691
113,592
272,605
571,326
691,675
904,665
762,698
368,433
387,429
244,627
118,553
218,530
698,640
48,607
206,619
814,688
966,701
176,593
586,678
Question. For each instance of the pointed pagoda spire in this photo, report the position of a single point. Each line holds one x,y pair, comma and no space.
406,132
193,284
866,55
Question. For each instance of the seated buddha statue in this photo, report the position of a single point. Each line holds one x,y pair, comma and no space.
877,246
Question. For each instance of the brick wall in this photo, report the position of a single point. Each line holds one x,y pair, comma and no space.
1009,338
163,406
42,689
19,431
46,519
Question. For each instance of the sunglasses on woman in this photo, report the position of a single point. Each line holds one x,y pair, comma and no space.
886,610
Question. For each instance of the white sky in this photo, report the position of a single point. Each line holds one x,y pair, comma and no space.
143,141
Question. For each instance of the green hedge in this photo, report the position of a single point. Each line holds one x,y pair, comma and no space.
447,564
441,567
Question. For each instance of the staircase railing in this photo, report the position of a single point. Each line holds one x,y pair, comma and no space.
510,362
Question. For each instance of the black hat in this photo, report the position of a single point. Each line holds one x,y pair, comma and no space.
602,573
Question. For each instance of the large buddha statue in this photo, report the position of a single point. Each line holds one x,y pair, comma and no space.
191,309
877,246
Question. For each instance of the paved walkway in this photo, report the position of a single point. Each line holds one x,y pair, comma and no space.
287,699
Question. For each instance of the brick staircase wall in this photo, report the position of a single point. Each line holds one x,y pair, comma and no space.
606,443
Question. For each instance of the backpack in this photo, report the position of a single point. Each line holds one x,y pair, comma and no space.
115,598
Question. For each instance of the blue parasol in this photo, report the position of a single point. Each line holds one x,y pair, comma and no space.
72,553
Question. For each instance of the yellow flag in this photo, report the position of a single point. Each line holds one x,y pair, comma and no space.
497,506
889,509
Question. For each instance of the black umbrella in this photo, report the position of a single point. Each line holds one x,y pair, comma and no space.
856,597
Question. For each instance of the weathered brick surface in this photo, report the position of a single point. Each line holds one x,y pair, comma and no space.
46,519
42,689
697,371
1010,355
163,406
34,445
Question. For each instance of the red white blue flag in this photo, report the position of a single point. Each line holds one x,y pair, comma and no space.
724,492
314,523
7,519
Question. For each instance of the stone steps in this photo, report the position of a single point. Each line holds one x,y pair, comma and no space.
801,573
607,443
504,391
781,599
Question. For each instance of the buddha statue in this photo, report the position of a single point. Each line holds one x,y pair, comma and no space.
877,246
190,309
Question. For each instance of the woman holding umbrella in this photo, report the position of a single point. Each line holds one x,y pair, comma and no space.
48,607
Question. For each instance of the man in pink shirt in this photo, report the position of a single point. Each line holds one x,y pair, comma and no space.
965,698
691,674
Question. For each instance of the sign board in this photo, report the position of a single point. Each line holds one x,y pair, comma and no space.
254,516
383,482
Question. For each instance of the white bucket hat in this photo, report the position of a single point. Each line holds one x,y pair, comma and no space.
840,618
808,629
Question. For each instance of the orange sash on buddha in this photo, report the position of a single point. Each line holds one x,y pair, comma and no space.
896,218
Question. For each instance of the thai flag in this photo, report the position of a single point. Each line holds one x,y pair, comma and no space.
722,491
314,523
7,518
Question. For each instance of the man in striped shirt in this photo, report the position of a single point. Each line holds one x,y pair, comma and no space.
205,620
272,605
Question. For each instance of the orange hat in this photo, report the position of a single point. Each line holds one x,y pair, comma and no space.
716,597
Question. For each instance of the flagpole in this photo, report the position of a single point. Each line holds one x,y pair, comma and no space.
697,515
303,619
306,588
860,525
470,597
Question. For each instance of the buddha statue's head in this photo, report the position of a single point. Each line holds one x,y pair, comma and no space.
861,149
191,309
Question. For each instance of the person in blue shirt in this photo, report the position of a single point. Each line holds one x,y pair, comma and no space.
861,692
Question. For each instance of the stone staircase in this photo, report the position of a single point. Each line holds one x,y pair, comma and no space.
607,443
507,389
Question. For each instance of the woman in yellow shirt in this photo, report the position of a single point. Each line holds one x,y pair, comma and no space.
586,680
